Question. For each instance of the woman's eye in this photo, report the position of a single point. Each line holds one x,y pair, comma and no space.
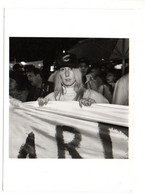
61,69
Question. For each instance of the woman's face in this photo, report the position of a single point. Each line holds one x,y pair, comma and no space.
83,68
67,76
110,78
95,72
13,84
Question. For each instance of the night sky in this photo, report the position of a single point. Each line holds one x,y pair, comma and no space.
33,49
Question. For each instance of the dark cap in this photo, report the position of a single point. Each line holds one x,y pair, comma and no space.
67,60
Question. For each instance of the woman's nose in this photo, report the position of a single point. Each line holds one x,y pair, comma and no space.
67,73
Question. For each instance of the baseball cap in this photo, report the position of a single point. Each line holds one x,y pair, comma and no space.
67,60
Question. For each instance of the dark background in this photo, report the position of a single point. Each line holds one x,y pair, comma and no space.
33,49
103,51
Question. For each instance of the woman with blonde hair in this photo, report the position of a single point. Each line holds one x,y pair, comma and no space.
69,85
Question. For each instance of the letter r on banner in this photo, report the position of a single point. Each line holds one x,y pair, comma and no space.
71,146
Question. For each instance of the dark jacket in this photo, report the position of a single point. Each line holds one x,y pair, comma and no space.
35,93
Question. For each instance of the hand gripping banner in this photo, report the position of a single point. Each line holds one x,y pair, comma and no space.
64,130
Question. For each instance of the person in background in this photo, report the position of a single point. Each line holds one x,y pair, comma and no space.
83,65
20,73
107,88
94,79
121,91
18,69
17,87
39,87
69,85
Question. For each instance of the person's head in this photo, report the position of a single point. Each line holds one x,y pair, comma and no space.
83,66
67,77
18,68
110,76
34,77
95,70
68,74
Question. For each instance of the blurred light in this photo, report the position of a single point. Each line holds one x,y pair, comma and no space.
23,63
11,66
63,51
118,66
51,68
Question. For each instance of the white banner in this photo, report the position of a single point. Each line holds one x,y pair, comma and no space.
64,130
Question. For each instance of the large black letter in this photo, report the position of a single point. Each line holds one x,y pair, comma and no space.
69,146
106,140
28,148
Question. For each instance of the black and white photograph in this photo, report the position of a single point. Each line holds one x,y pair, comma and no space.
69,102
69,98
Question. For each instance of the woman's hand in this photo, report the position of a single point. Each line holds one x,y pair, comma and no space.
86,102
42,101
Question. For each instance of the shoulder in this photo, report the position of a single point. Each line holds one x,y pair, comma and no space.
99,98
101,87
123,79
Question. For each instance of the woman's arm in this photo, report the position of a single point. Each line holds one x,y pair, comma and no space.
46,99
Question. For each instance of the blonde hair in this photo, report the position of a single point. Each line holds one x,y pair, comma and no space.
78,87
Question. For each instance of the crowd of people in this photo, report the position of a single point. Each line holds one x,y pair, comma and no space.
73,80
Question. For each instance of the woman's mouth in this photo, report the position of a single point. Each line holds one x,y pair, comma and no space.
67,80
